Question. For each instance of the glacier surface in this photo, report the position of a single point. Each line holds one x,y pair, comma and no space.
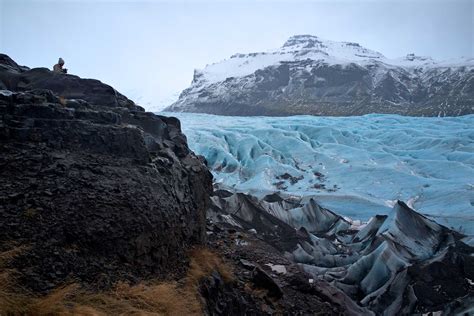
356,166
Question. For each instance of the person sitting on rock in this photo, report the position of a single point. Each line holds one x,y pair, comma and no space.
59,67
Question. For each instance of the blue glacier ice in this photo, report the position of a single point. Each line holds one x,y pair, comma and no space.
355,166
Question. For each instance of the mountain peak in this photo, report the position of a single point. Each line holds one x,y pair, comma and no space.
304,40
302,44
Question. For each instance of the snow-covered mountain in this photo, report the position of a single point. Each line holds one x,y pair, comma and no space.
309,75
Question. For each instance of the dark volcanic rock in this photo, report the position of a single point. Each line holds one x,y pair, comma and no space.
96,188
226,299
263,280
19,78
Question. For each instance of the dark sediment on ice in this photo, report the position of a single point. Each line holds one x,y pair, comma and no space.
403,263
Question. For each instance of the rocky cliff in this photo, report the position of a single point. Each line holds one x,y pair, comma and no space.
309,75
92,187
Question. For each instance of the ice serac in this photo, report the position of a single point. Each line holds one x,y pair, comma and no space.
96,189
309,75
399,264
381,275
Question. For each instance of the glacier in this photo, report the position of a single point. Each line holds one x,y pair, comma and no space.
356,166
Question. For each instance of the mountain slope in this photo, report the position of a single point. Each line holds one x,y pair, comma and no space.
308,75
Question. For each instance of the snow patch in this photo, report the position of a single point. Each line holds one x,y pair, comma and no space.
278,268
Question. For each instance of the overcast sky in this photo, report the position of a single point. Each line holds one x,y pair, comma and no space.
149,49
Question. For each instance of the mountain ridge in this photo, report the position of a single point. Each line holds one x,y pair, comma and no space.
309,75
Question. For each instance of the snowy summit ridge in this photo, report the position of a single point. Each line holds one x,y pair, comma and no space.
342,50
309,75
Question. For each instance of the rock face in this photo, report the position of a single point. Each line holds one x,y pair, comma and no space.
309,75
96,188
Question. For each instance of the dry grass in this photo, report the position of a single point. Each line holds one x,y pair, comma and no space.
203,262
141,299
10,298
151,298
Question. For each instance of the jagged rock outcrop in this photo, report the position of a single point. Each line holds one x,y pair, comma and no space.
20,78
309,75
96,189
